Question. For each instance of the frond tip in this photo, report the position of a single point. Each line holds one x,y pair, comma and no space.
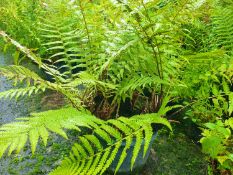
14,136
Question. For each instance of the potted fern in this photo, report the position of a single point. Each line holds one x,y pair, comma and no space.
106,67
96,152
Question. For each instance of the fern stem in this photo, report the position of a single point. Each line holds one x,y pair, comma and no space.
85,23
156,41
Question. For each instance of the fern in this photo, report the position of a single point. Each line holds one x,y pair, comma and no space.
15,135
49,69
130,46
223,28
85,155
62,46
34,84
16,93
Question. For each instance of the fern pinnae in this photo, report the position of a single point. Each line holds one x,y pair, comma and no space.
112,131
22,141
33,137
72,159
13,146
87,146
75,152
95,141
3,147
87,167
16,93
43,132
104,157
79,168
148,132
124,153
81,150
36,126
130,123
95,164
121,126
55,127
111,157
104,135
137,147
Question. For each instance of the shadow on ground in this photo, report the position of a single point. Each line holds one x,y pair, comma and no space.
175,155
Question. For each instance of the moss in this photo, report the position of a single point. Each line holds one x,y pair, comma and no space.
175,155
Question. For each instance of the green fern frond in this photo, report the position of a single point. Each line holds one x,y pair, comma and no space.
61,42
20,74
49,69
148,132
138,83
106,144
16,93
223,28
15,135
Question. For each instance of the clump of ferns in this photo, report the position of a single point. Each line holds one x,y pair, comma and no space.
89,156
114,81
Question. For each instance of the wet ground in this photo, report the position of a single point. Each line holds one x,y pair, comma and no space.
171,154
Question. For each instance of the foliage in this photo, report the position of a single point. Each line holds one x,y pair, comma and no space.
65,56
104,56
15,135
19,19
217,142
209,81
91,156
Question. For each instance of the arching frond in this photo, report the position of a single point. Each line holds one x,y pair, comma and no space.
14,136
48,69
107,141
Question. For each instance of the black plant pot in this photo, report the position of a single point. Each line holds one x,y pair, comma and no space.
139,163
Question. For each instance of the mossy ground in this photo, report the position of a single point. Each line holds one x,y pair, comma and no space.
175,155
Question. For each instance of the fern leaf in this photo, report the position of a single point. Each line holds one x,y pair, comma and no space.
113,132
16,93
94,141
101,163
137,147
81,150
86,168
38,126
230,109
22,142
87,146
43,132
121,126
148,132
92,169
111,157
151,118
104,135
124,153
92,149
33,137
